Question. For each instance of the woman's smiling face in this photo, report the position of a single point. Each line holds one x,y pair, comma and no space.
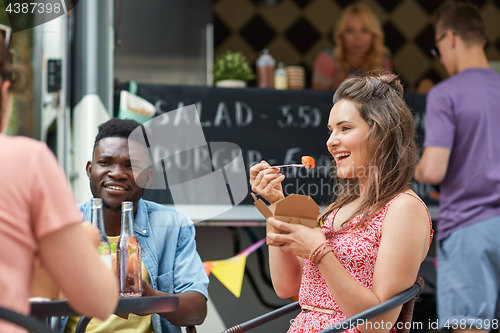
357,37
347,142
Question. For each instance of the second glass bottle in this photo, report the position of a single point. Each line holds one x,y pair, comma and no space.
128,255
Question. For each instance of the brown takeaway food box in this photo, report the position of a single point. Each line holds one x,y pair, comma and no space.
295,208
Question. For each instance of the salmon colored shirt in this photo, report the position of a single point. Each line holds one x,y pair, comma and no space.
35,201
326,70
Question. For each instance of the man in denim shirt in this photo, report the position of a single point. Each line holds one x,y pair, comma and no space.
165,234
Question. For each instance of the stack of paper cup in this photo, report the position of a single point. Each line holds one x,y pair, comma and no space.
296,77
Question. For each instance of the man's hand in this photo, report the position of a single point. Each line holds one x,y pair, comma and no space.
147,290
192,308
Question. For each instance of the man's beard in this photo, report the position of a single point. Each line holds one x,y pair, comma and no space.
119,208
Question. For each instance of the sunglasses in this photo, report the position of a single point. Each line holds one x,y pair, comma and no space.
6,33
434,48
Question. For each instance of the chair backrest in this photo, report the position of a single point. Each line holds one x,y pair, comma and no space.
30,323
403,321
263,319
406,315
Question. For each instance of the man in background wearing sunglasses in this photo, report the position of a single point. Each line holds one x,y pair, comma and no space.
462,154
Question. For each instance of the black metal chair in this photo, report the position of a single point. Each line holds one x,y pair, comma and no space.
28,322
406,298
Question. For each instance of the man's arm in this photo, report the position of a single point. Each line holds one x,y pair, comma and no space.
186,279
433,165
192,308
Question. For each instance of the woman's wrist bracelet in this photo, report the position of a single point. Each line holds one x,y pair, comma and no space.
314,252
317,250
325,250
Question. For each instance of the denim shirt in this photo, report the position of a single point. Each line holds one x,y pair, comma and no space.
169,253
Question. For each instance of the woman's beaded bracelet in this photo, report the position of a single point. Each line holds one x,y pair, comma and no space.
317,250
325,250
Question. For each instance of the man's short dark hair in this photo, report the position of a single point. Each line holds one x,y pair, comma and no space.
463,19
116,128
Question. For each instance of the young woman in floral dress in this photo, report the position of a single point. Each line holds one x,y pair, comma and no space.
375,235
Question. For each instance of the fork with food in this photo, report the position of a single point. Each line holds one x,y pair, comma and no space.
307,162
266,179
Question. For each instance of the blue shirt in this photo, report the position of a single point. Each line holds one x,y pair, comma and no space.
169,253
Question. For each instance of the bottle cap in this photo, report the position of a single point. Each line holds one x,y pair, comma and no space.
96,203
127,205
280,70
265,59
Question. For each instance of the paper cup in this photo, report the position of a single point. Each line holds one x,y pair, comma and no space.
296,77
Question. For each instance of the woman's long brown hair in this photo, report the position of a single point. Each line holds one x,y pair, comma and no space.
390,143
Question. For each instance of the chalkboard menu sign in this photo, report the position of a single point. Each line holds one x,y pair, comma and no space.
279,126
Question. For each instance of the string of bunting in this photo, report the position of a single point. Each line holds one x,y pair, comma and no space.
230,271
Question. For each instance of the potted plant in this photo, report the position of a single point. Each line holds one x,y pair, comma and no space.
231,69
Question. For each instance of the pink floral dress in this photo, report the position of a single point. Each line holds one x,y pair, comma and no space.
357,252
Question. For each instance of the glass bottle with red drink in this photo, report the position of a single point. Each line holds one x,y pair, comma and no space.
128,255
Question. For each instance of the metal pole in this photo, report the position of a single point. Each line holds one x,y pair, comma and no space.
210,53
92,87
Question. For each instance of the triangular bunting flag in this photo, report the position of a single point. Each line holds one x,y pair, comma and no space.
230,273
208,266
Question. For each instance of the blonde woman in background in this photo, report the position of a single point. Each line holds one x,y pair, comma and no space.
359,48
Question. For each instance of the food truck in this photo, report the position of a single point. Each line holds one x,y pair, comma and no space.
98,58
